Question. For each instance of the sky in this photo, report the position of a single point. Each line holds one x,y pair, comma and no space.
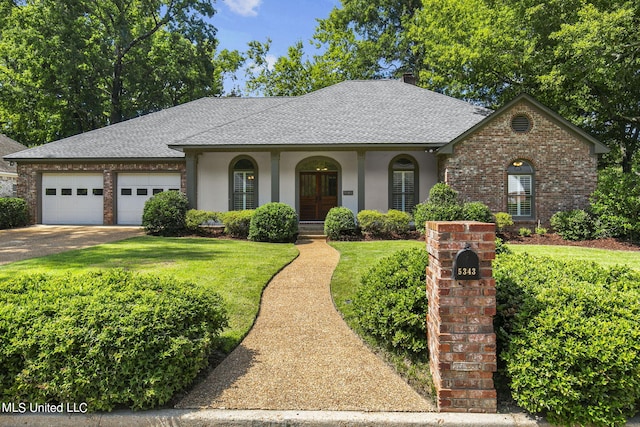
283,21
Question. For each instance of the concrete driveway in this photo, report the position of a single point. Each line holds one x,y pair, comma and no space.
39,240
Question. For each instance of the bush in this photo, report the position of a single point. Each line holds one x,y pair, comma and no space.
109,338
392,224
371,223
476,211
569,335
502,220
237,223
13,212
616,204
274,222
573,225
339,223
391,303
524,232
195,218
442,205
502,247
396,223
541,231
165,213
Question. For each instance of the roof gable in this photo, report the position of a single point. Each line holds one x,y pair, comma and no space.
8,146
597,146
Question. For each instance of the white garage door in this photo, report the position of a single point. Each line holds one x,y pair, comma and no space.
134,189
72,198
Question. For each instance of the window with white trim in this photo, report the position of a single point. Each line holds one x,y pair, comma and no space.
520,201
244,181
403,184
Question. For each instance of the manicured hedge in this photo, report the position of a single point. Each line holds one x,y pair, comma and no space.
195,218
392,224
340,224
274,222
13,212
165,213
569,336
109,338
391,303
237,223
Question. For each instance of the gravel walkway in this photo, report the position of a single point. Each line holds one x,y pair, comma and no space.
300,355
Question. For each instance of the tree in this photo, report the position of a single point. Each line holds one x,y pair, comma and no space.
75,65
580,58
291,75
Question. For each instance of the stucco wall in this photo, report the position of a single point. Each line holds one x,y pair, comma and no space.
377,176
213,179
565,168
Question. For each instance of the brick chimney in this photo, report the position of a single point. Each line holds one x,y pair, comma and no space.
409,78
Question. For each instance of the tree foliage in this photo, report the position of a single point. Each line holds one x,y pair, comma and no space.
71,66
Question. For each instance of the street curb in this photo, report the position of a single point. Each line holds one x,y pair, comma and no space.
254,418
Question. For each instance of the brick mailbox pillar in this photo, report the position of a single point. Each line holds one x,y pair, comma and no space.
462,303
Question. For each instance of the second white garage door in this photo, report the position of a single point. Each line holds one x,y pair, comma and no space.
134,189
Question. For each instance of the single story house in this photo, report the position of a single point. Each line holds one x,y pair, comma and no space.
377,144
8,169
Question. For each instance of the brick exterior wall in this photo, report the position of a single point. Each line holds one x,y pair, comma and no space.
462,342
565,169
29,175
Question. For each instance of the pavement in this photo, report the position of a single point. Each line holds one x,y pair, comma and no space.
42,240
17,244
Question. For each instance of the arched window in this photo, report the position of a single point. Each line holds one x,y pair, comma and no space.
520,200
403,175
244,184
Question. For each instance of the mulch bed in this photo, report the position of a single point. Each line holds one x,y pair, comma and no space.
555,239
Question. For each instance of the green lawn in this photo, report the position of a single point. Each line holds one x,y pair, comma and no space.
355,259
237,270
601,256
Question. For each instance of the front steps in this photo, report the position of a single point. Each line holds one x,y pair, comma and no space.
311,230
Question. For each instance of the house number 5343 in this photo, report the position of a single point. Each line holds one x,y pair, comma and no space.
467,271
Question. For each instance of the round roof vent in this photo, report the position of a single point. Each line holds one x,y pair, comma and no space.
521,123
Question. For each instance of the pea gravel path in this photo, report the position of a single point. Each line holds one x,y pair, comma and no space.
300,355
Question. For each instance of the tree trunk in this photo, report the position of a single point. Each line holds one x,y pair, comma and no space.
116,91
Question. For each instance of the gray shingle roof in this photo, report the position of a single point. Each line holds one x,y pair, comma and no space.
8,146
351,113
359,113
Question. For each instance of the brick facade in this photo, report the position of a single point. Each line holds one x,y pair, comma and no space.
462,342
565,165
30,175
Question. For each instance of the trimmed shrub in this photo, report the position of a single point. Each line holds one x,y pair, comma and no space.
165,213
237,223
274,222
110,338
14,212
569,336
502,220
524,232
391,303
476,211
339,223
396,223
573,225
616,204
371,223
195,218
442,205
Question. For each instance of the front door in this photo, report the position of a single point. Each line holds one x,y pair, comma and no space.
318,194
